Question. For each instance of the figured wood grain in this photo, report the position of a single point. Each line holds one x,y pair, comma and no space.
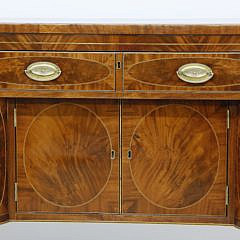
3,163
64,156
77,71
175,156
178,163
73,163
98,42
157,72
80,71
210,29
110,87
119,42
2,160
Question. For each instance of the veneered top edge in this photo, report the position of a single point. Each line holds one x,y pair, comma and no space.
118,29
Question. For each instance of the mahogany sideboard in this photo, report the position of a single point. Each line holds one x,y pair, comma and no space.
120,123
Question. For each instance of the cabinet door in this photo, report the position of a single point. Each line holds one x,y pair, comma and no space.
67,156
174,158
3,170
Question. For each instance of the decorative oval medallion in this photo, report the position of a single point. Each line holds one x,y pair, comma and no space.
74,71
162,73
175,156
67,155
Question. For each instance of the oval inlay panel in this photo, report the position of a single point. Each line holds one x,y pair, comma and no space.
2,160
67,155
162,72
74,71
175,156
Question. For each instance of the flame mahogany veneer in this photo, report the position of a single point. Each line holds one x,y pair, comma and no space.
118,137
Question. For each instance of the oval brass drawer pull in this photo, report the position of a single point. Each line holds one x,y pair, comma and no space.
195,73
43,71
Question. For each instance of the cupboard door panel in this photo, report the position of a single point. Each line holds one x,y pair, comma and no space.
178,158
3,170
64,156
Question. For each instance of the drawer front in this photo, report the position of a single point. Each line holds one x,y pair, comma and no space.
73,71
203,72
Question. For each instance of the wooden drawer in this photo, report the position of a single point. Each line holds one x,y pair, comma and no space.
79,71
158,72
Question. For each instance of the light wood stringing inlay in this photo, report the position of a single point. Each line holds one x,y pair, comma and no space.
79,71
